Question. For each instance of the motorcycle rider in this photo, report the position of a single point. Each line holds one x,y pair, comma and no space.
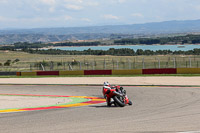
108,87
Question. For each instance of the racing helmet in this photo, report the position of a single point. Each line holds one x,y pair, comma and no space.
106,83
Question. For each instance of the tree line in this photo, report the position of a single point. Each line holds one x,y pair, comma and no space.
77,44
25,45
112,51
188,39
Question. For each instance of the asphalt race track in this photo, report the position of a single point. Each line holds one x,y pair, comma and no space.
154,110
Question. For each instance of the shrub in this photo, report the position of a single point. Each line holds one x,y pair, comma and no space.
59,64
16,60
7,63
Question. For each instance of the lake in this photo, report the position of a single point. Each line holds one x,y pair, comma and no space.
134,47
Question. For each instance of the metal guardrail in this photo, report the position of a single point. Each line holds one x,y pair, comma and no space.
8,73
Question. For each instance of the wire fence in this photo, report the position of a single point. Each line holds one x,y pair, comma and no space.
106,64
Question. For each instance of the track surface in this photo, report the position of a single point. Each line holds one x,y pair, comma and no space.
155,109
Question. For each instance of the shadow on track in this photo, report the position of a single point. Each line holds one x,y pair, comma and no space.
103,106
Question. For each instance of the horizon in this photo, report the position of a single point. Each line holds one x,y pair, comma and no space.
27,14
93,25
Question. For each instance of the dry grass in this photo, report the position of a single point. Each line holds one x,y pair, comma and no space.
87,61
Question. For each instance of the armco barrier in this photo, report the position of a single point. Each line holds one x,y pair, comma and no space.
18,73
188,70
7,73
98,72
126,72
109,72
28,73
159,71
71,72
43,73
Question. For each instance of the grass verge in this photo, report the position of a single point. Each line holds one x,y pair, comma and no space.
149,75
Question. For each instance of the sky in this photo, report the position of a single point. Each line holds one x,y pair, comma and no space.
80,13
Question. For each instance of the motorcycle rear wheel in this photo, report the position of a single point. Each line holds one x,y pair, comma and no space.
118,101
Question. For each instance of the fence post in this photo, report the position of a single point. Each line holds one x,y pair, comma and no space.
143,65
70,67
117,64
186,64
30,67
80,68
42,67
168,62
104,64
113,63
190,62
93,65
51,65
174,62
64,65
158,59
87,64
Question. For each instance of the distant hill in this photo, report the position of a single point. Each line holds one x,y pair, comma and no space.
31,38
97,32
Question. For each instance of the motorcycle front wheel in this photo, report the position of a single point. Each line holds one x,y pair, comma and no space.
119,101
130,103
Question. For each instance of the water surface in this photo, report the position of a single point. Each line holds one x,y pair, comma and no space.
135,47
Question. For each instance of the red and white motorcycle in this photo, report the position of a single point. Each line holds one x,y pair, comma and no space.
116,95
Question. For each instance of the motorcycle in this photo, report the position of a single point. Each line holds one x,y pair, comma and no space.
116,95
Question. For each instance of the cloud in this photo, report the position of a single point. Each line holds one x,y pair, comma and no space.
74,1
121,1
49,2
82,3
3,1
2,18
197,7
110,16
118,1
137,15
68,17
92,3
51,9
7,19
14,13
73,7
86,19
